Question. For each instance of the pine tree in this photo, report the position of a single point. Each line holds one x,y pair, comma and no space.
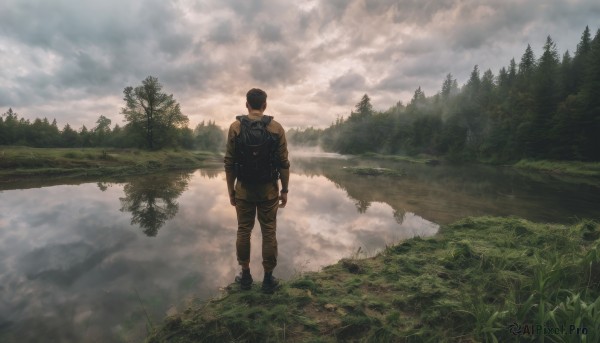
527,63
546,91
447,86
580,58
474,82
487,88
70,138
418,100
364,107
590,92
512,72
11,125
547,80
2,132
567,79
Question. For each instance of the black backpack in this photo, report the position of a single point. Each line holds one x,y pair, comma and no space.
255,151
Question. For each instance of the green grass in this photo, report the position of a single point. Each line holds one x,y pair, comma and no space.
25,162
369,171
469,283
575,168
412,159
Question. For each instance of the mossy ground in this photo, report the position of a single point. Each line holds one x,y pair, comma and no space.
575,168
423,159
25,162
559,168
372,171
475,281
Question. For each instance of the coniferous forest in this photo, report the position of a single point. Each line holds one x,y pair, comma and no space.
545,107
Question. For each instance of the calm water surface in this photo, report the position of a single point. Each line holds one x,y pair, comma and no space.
88,261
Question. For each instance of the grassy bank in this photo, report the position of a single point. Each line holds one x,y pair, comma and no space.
480,279
369,171
558,168
411,159
575,168
25,162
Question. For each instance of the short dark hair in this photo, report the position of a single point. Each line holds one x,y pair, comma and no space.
256,98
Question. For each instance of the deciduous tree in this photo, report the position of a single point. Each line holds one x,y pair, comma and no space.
155,113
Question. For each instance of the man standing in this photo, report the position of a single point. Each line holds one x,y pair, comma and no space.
255,159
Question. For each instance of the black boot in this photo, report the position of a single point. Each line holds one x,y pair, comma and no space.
244,279
270,283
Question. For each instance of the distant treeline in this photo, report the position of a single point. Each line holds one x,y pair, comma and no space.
42,134
541,108
153,121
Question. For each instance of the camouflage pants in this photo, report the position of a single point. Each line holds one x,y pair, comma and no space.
267,218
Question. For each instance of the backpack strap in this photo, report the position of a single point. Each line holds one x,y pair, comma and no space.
266,119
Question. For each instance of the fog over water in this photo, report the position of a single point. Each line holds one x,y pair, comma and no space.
82,262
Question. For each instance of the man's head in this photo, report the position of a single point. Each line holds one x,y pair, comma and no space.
256,99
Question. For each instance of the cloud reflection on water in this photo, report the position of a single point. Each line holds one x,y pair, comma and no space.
74,261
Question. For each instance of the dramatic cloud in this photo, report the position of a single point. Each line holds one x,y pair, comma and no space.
71,60
345,87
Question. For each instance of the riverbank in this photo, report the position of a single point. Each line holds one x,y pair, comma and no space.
423,159
24,162
558,168
479,279
573,168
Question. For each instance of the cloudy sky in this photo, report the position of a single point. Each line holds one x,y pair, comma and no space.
71,59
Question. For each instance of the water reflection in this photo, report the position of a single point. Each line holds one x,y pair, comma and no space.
73,256
63,264
362,206
152,200
103,186
399,216
70,263
443,194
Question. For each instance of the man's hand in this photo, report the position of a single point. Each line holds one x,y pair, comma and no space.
283,198
232,199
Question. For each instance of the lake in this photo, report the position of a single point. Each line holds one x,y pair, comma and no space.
104,261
